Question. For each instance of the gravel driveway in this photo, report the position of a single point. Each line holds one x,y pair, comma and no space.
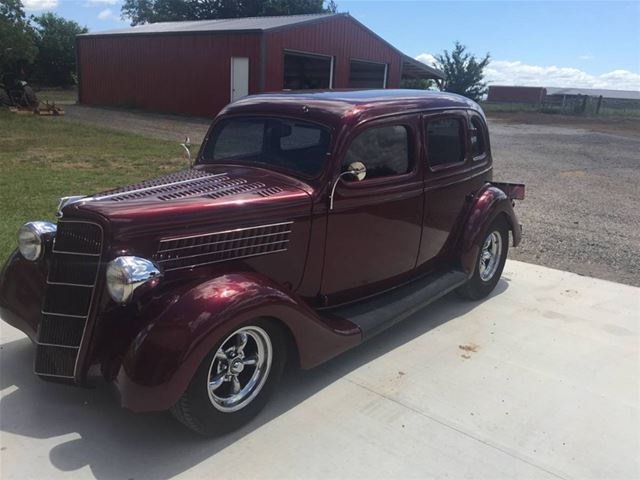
581,211
581,214
155,125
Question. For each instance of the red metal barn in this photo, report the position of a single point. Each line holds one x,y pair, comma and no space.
530,95
198,67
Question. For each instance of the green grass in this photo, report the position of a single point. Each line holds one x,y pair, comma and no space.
45,158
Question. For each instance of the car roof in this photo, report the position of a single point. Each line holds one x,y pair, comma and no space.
341,106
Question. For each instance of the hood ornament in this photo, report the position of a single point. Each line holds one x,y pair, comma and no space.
64,201
187,150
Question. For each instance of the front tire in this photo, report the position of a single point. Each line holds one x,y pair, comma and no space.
490,262
235,380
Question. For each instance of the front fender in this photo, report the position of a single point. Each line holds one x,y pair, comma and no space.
163,357
486,205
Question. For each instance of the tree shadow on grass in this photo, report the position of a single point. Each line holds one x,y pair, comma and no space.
116,443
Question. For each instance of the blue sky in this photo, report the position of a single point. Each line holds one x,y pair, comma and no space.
549,43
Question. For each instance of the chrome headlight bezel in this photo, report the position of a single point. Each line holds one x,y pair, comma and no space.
31,238
125,275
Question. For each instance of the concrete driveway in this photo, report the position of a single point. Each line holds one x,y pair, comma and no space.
539,381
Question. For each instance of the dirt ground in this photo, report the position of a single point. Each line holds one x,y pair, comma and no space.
154,125
582,211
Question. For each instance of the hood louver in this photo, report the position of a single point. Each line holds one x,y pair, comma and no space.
188,184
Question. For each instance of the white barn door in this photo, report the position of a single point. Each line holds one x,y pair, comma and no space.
239,77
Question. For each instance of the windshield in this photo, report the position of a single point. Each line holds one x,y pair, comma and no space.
292,145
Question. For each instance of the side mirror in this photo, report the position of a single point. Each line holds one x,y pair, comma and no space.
356,170
187,150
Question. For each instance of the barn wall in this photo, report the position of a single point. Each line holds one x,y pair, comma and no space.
164,73
340,37
531,95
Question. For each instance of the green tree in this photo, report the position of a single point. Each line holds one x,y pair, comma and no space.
464,72
17,47
416,83
151,11
56,42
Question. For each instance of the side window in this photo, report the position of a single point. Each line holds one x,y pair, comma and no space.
445,141
383,150
478,136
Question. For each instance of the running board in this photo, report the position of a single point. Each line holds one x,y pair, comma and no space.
376,314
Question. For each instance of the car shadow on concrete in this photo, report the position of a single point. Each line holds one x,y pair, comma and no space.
115,443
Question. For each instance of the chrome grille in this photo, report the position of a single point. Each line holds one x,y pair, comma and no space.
196,250
74,237
73,271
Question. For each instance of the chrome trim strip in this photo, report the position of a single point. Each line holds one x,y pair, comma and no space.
52,375
63,315
224,260
224,241
155,187
58,345
224,251
172,239
69,284
75,253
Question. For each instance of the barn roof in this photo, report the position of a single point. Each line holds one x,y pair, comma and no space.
596,92
411,68
226,25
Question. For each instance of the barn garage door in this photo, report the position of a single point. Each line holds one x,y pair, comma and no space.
304,71
367,74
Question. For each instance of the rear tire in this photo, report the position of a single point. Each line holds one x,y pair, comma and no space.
489,263
232,385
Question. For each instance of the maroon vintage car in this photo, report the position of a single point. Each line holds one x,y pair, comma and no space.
308,223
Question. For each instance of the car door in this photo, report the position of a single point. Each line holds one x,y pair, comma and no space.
452,173
373,231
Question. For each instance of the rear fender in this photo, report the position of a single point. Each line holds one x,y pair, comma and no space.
489,203
165,354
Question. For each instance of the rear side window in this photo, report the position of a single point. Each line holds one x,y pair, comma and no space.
478,138
445,141
383,150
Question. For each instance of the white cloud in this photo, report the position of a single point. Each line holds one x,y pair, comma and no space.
502,72
427,58
40,4
106,14
91,3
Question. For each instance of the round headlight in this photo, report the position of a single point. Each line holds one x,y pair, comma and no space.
30,238
126,274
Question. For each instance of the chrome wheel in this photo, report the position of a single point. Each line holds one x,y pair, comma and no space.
490,256
239,369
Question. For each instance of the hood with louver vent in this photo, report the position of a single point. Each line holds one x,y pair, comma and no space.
202,217
188,184
205,195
